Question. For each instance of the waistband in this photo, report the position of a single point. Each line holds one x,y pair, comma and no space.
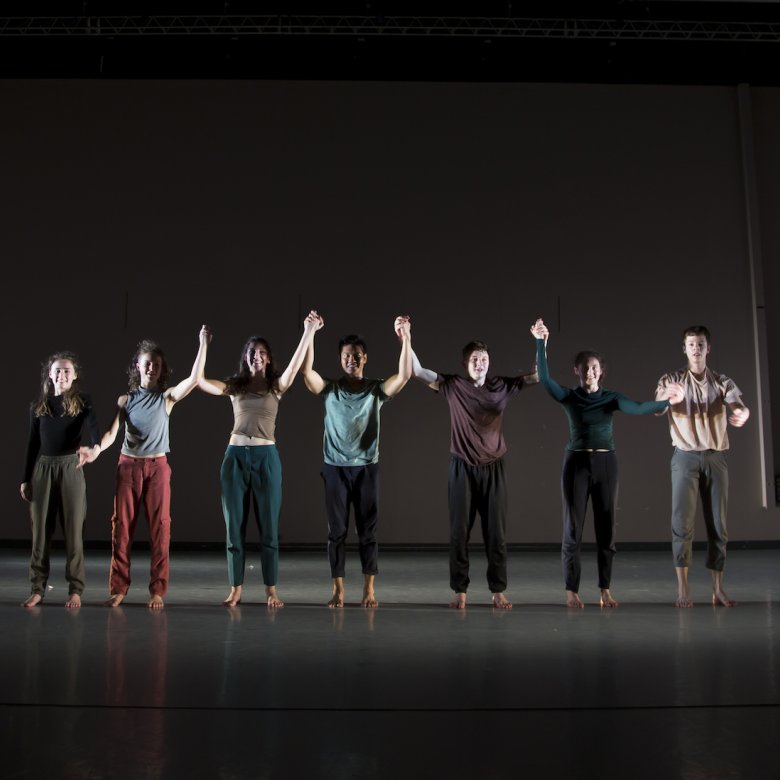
136,459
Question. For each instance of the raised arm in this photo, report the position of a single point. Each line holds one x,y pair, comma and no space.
313,381
540,332
186,386
394,384
425,375
311,325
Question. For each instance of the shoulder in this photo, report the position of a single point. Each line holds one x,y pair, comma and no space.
121,402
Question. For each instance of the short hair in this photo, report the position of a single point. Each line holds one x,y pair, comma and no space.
352,340
696,330
581,359
134,375
474,346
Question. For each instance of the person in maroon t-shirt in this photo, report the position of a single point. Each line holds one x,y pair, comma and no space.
476,476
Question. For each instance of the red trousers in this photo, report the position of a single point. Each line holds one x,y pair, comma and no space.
146,480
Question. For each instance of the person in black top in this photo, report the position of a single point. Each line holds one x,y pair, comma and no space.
53,481
589,463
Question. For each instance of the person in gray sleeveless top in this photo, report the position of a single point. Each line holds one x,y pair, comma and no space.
251,470
143,473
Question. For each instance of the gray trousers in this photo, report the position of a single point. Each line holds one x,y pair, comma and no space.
695,474
58,489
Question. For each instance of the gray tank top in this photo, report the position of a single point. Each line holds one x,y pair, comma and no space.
146,423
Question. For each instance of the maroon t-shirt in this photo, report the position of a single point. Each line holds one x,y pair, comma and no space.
476,414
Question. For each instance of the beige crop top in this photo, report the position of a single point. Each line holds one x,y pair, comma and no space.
254,415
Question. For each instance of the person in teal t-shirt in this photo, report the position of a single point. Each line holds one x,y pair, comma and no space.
589,462
351,451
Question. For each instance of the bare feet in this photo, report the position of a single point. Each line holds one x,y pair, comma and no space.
459,602
573,600
272,599
500,601
114,600
156,602
684,600
720,599
369,599
606,599
74,601
234,597
33,601
337,599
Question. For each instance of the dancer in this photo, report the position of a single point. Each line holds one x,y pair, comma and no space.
251,470
698,426
143,473
53,482
476,475
351,451
590,468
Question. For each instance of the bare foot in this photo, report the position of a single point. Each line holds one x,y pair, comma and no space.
459,602
33,601
114,600
74,601
234,597
606,599
369,599
337,600
500,601
684,600
720,599
573,600
156,602
272,599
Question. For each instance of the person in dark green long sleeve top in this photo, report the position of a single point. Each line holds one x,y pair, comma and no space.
589,463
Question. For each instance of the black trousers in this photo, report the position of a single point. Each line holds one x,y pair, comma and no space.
594,475
356,486
477,490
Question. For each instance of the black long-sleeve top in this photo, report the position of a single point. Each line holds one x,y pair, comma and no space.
57,433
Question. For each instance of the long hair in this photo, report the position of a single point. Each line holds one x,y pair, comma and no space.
237,383
134,375
72,400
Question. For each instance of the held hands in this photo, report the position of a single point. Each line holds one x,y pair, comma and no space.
313,321
539,330
205,334
674,393
403,326
87,455
739,416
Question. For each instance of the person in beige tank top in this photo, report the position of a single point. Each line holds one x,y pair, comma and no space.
251,472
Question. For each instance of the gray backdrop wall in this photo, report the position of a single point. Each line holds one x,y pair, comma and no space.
143,208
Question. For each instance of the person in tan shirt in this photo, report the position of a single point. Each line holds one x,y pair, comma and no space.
698,426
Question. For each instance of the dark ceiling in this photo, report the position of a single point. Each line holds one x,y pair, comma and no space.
668,42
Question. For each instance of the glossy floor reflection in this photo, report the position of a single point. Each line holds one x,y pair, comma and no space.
412,689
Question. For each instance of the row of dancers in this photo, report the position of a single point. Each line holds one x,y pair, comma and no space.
64,436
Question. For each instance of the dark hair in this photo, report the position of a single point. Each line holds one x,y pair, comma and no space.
352,340
696,330
237,383
134,375
581,358
474,346
72,400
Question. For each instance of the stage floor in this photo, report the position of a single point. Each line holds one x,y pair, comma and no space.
409,690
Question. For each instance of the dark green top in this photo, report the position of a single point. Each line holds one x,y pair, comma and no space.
590,414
